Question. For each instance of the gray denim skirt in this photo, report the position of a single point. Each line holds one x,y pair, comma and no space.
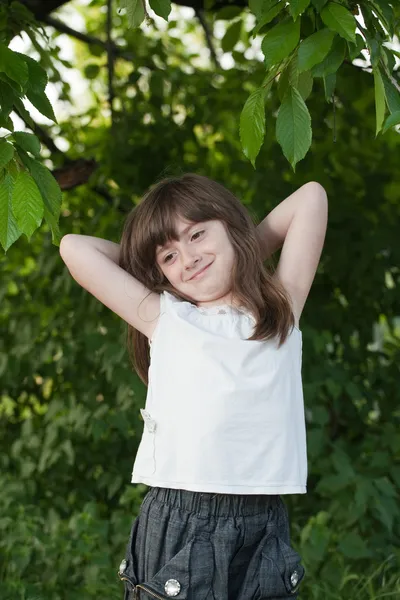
202,546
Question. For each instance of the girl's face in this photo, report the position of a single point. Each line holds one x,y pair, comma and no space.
200,263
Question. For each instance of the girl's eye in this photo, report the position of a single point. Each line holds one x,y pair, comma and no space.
198,233
167,258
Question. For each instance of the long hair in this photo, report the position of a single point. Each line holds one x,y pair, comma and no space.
196,198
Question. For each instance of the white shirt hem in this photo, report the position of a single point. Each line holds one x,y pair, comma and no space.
218,488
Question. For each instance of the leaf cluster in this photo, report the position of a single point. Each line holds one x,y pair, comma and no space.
308,39
28,190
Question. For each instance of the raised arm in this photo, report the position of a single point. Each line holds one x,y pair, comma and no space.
93,263
299,224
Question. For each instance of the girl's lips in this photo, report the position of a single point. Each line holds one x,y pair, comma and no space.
200,273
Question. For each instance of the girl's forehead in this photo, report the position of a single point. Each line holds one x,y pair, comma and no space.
181,227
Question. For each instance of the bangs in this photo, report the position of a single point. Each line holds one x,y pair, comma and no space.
169,205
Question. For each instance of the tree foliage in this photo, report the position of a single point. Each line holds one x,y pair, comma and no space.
69,403
302,41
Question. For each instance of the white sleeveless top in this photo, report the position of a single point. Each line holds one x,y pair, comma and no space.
223,414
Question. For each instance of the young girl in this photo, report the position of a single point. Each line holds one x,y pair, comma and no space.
216,337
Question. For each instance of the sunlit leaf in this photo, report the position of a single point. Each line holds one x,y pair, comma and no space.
252,124
28,141
339,19
162,8
9,231
279,42
27,204
293,127
313,49
6,152
379,100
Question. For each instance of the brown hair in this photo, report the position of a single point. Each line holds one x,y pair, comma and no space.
196,198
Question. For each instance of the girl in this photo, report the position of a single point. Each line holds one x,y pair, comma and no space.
216,338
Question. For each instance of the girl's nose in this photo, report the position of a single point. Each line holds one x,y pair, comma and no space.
189,260
191,263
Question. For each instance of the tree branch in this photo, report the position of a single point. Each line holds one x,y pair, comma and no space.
110,61
88,39
201,17
41,8
74,172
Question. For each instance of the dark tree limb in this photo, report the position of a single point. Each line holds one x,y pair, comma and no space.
73,172
88,39
203,22
110,61
42,8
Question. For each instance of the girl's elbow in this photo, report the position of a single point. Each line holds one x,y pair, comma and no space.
317,190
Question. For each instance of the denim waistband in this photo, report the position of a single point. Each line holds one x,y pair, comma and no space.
204,503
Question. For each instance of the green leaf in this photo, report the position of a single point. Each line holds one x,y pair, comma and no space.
329,85
6,152
291,77
13,65
386,14
46,183
339,19
293,127
269,13
134,11
331,484
7,97
355,49
391,121
374,52
54,227
256,7
231,36
37,76
388,58
9,231
332,60
385,486
297,7
252,124
353,546
313,49
280,41
28,142
387,511
42,103
391,94
50,192
6,123
24,113
162,8
319,4
305,84
379,100
27,204
283,81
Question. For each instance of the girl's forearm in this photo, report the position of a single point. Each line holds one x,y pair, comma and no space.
273,229
73,240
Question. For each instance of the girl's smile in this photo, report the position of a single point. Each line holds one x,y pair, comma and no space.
200,273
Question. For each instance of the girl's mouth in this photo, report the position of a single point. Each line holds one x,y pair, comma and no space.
200,273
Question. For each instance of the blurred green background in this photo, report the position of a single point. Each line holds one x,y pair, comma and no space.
69,400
